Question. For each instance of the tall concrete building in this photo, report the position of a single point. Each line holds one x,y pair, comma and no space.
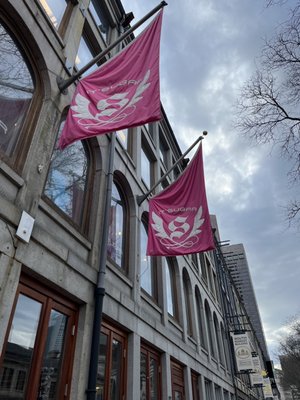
237,263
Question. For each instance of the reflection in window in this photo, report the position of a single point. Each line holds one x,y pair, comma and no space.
111,364
84,55
116,233
210,329
16,91
66,180
145,168
149,374
19,350
51,366
123,137
171,288
55,10
147,265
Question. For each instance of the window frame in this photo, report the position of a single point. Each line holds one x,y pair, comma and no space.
20,151
150,352
50,300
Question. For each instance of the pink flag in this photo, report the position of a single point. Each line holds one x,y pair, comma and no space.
179,220
122,93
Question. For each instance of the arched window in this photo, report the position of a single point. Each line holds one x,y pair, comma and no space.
218,338
209,325
187,302
147,264
16,92
201,320
171,292
66,184
117,226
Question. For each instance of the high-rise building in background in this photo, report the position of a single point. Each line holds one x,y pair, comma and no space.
237,263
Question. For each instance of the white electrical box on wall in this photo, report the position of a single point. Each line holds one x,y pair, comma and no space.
25,227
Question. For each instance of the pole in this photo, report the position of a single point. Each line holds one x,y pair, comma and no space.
141,198
63,84
100,289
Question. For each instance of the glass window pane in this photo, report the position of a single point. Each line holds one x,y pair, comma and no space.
16,89
18,355
84,55
67,178
145,168
51,367
146,265
143,376
170,291
55,10
99,18
115,377
101,367
123,137
153,379
115,247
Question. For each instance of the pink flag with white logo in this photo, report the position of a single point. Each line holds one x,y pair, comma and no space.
179,220
122,93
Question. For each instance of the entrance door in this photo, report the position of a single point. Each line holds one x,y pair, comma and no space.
177,374
37,359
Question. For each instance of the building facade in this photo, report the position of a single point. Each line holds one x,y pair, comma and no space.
165,333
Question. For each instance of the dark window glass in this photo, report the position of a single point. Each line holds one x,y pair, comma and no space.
171,288
16,91
67,178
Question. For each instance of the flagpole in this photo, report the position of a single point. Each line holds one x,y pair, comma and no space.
63,84
141,198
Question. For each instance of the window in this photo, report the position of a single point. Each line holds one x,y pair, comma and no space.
177,378
67,180
84,55
187,302
111,375
16,93
38,353
208,390
117,226
218,338
171,292
147,264
150,385
210,329
195,385
201,320
146,168
100,18
163,150
58,12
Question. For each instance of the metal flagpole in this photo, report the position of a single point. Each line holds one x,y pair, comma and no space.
100,289
63,84
141,198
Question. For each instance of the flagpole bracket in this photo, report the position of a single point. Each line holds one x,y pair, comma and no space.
140,198
61,83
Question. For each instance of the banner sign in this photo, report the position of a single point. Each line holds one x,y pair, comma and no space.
267,389
242,350
256,377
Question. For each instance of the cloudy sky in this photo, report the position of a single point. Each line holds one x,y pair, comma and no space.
209,48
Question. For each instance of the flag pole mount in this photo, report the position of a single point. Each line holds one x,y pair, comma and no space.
142,197
63,84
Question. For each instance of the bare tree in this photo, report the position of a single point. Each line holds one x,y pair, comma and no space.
268,108
289,355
